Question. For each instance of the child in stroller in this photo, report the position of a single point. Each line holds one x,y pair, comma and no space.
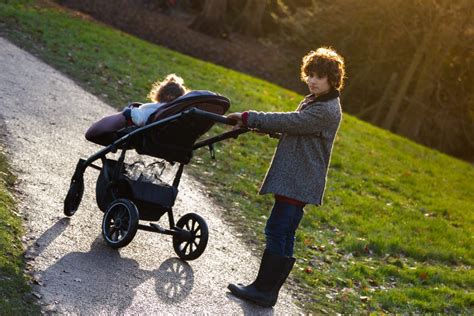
171,134
104,131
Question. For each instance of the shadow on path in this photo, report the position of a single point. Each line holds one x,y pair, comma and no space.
101,277
47,238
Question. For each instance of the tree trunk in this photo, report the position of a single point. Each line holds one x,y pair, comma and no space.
406,80
211,20
250,20
382,103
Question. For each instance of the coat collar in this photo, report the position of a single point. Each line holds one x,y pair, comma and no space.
332,94
311,98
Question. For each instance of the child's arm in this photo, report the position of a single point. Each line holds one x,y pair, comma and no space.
106,125
139,115
312,120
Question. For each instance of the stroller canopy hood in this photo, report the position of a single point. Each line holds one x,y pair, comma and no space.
202,99
198,93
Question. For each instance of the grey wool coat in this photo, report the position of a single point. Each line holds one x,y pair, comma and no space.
300,164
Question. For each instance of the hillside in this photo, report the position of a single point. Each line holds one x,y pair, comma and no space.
395,232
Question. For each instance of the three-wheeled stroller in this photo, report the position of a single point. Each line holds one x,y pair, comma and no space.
171,134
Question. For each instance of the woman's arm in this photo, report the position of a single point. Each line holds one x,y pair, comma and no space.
312,120
106,125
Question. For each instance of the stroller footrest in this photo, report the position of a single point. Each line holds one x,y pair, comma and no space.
80,169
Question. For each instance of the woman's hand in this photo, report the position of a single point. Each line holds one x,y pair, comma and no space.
237,116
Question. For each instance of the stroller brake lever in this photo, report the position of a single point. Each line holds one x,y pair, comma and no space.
212,151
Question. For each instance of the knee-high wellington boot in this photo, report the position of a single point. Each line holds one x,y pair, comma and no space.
272,274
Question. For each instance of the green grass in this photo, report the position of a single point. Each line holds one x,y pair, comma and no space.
396,231
13,282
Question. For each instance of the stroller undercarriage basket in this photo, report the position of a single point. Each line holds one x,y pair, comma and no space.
152,198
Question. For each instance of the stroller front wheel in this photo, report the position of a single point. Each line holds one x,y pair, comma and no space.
191,248
120,223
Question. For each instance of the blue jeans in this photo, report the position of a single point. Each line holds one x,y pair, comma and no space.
281,228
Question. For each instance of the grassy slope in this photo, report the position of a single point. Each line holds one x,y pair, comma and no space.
13,284
396,229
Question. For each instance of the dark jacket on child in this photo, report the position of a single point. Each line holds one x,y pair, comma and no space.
300,164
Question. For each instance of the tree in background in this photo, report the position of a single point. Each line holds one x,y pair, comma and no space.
211,20
250,20
254,18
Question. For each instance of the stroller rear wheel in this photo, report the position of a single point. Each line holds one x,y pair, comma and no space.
191,248
120,223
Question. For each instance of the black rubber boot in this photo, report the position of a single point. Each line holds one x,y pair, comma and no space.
272,274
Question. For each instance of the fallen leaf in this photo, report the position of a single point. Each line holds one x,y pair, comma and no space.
423,276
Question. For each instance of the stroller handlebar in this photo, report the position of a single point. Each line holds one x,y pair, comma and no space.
212,116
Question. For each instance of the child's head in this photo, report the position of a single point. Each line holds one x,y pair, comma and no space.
324,62
167,90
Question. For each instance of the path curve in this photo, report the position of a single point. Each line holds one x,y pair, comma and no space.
45,115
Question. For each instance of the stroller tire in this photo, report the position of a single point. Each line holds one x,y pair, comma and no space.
74,196
192,248
120,223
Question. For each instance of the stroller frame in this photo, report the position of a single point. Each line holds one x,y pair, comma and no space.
186,231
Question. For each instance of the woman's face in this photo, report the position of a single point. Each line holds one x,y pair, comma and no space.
318,85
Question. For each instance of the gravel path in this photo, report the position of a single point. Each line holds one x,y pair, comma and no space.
45,115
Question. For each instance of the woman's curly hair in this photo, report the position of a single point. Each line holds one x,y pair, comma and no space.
167,90
324,62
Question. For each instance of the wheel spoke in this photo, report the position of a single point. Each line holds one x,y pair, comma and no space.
185,247
125,223
115,216
192,227
113,236
123,233
115,212
112,230
122,212
187,226
195,244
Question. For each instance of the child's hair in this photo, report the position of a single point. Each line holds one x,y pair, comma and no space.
324,62
168,89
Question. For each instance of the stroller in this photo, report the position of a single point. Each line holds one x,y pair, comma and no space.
171,134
